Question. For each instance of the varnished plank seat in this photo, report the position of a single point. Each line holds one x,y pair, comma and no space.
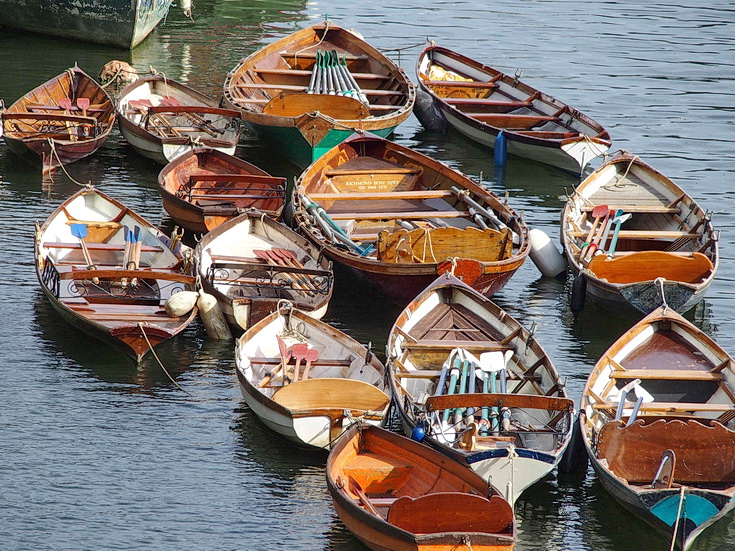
647,209
377,195
223,177
99,246
510,120
670,407
405,215
460,84
307,73
449,345
667,374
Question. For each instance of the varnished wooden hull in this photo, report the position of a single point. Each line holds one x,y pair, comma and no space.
682,382
667,251
202,213
426,468
283,69
36,126
164,135
564,137
123,307
486,261
450,315
319,402
118,23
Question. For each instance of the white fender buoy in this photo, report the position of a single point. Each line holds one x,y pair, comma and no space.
186,7
545,255
212,317
181,303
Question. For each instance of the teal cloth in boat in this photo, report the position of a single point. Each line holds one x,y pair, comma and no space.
695,508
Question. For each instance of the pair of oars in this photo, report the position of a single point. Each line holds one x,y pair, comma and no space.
287,258
131,256
330,76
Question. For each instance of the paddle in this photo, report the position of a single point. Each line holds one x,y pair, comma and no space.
618,221
126,253
290,259
300,352
65,104
80,231
83,104
274,260
597,213
312,355
597,240
135,247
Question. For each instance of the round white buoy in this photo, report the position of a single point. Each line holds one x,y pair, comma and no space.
181,303
545,255
212,317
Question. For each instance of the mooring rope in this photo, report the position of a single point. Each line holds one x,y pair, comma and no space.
55,153
150,346
676,524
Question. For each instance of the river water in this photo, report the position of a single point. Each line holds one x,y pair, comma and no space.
99,454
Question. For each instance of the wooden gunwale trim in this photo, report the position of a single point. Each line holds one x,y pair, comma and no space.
667,374
673,407
99,246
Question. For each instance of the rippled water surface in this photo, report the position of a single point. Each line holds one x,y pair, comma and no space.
98,454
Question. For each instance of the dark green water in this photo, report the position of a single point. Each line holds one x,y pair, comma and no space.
98,454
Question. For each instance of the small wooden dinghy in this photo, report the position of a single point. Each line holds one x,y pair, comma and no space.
635,239
312,89
65,119
307,380
398,218
162,119
250,263
203,188
479,386
657,421
112,274
481,102
394,493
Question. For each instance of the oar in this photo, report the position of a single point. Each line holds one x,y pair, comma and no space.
136,248
453,377
65,104
290,259
490,364
274,260
618,221
596,241
80,231
597,213
312,355
83,104
299,351
310,89
610,217
126,253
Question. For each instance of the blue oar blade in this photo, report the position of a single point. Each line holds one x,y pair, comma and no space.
79,230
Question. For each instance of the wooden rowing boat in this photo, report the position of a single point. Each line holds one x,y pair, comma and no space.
250,263
395,494
162,118
111,273
65,119
203,188
118,23
479,386
481,102
398,218
665,251
306,380
657,418
275,90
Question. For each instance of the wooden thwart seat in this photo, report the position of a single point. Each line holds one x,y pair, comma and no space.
405,215
667,374
99,246
379,196
670,407
449,345
508,400
248,178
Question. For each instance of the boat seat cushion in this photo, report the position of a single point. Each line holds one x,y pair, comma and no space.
705,453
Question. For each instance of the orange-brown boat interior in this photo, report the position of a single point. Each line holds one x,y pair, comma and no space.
414,493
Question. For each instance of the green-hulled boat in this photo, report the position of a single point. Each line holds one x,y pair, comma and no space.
119,23
310,90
